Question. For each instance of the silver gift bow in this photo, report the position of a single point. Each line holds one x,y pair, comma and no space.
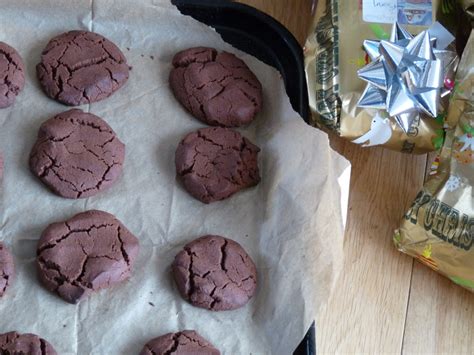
408,75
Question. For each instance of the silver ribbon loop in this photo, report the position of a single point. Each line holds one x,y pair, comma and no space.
406,77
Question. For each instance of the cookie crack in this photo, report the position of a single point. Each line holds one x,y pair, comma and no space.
60,139
190,60
63,53
152,352
201,105
78,280
81,169
214,298
6,278
122,247
240,66
204,138
49,265
238,284
191,288
89,62
121,61
248,292
251,98
223,256
10,59
101,180
110,140
45,169
70,183
214,81
248,82
42,347
71,231
50,168
86,148
12,88
81,122
192,93
175,345
112,76
203,345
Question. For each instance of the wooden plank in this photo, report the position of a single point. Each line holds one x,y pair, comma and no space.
440,315
294,14
366,313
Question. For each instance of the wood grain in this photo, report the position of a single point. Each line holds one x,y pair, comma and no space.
440,317
294,14
366,313
384,302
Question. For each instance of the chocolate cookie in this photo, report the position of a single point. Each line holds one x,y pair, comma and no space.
215,163
77,154
187,342
7,269
91,251
215,273
12,75
81,67
13,343
217,88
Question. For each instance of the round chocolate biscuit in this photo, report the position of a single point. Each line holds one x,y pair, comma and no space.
186,342
12,75
91,251
215,273
77,154
13,343
214,163
81,67
217,88
7,269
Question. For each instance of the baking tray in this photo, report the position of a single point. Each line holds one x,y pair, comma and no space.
260,35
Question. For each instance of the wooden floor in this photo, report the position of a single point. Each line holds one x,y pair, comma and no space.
385,303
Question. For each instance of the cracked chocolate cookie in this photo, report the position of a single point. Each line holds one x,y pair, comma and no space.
13,343
81,67
91,251
77,154
186,342
214,163
217,88
12,75
215,273
7,269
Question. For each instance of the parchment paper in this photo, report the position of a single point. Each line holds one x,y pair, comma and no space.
291,223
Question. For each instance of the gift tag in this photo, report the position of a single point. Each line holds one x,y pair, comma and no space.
406,12
381,11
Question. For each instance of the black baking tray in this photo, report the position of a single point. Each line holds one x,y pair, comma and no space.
260,35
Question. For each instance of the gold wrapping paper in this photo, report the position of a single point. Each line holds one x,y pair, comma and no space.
333,54
438,229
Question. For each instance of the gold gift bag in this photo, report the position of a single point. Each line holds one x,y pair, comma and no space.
438,229
333,54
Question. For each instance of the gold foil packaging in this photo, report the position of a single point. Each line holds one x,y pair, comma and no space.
438,229
333,55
